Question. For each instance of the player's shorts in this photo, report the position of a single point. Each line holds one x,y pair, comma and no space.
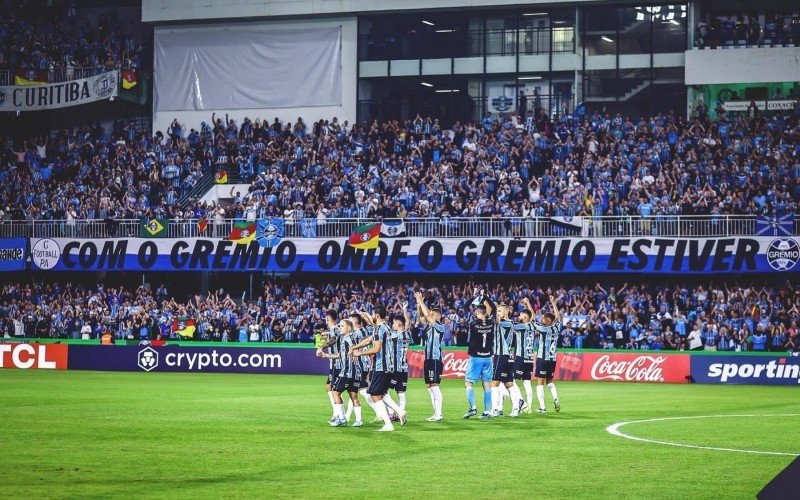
433,371
522,369
503,369
333,374
379,384
365,378
478,368
346,384
399,381
545,369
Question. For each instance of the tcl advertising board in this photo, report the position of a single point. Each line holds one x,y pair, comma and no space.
33,356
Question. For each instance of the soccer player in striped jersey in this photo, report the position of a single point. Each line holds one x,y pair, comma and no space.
504,364
382,367
433,367
349,377
400,340
524,346
549,331
331,318
360,333
479,364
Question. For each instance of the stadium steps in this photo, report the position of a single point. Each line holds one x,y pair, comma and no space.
205,185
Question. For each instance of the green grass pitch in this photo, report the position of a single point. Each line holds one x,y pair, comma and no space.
94,434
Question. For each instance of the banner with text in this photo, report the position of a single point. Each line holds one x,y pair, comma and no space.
422,255
33,356
12,254
583,366
746,370
220,359
59,95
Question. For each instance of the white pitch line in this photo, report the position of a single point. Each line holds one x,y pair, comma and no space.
614,429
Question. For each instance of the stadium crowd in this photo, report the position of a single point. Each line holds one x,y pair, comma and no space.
49,36
745,29
597,164
721,316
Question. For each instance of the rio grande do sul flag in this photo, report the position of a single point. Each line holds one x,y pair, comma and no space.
243,232
365,236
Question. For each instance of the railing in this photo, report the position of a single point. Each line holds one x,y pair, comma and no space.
467,43
462,106
57,75
443,227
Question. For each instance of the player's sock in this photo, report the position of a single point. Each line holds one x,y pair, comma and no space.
433,398
357,411
330,397
487,400
516,396
401,400
367,398
497,399
437,401
338,410
392,405
528,392
540,395
349,410
471,397
380,409
553,391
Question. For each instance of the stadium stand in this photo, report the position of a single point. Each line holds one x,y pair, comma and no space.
53,41
726,316
600,164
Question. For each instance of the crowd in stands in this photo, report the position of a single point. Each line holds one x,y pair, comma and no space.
49,36
721,316
778,28
595,164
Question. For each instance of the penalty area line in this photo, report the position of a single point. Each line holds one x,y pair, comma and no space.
614,429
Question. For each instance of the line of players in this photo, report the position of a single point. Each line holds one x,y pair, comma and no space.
368,355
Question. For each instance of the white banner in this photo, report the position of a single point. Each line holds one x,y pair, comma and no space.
226,69
783,105
424,255
59,95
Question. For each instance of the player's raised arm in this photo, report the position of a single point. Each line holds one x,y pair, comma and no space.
425,313
556,310
406,314
368,319
491,308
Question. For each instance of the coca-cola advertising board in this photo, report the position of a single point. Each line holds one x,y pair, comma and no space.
584,366
623,367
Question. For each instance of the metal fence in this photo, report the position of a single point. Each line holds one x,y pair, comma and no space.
444,227
58,75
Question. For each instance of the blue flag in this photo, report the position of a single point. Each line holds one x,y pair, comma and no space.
775,226
269,232
308,227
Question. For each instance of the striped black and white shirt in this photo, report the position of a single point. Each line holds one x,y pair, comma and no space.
358,336
522,345
400,343
333,335
350,366
384,358
503,338
548,340
434,334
